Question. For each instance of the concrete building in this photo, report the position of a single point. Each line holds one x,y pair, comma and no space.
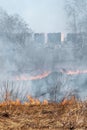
75,37
54,38
39,37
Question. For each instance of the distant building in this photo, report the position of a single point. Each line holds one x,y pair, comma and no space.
28,37
54,38
39,37
75,37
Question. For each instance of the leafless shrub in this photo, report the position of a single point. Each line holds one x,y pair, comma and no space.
9,90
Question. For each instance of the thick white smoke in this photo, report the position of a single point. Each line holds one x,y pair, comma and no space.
19,56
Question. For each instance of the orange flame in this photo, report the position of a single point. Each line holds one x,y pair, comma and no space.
72,100
40,76
45,74
76,72
10,102
45,102
33,101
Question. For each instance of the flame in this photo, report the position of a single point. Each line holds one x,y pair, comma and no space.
17,102
33,101
72,100
45,74
76,72
45,102
40,76
10,102
37,102
64,101
26,103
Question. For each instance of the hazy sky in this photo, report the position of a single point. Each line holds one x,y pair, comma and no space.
41,15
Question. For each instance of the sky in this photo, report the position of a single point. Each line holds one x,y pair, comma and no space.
41,15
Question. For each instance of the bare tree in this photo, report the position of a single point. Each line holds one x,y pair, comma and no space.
76,11
13,27
49,87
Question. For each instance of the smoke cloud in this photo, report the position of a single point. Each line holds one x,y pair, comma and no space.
22,56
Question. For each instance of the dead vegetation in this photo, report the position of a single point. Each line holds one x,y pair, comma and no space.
67,115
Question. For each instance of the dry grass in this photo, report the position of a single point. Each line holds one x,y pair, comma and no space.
67,115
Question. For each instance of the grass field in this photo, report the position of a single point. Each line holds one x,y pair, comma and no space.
66,115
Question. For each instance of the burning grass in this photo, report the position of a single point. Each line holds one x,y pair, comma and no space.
69,114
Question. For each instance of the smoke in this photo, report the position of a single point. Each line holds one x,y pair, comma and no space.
30,58
20,55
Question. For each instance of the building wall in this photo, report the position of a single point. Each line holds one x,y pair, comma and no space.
54,38
39,37
75,38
